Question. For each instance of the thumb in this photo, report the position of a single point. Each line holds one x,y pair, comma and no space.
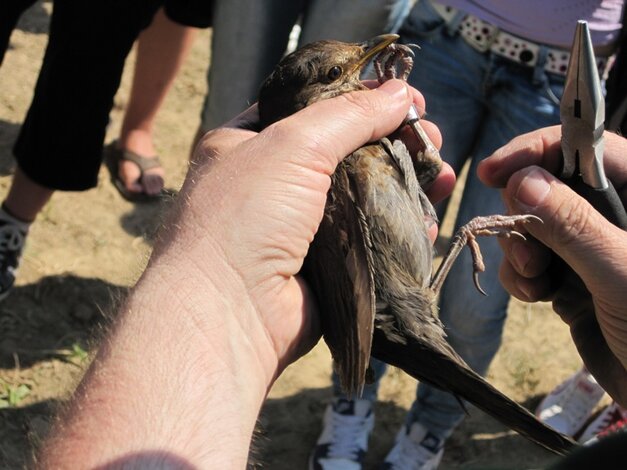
321,135
572,228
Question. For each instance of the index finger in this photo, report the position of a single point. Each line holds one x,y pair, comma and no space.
539,148
543,148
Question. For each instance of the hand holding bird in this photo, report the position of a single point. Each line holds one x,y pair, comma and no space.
370,263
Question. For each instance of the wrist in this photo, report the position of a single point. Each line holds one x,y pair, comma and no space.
210,292
215,307
183,350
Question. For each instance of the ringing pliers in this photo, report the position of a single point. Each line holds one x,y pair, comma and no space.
582,113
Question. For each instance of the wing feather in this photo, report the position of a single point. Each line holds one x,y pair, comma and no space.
339,268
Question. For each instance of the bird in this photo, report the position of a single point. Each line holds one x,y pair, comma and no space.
370,263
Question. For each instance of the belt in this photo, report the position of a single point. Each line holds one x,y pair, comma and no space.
485,37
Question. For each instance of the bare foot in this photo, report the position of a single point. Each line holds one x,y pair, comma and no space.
152,181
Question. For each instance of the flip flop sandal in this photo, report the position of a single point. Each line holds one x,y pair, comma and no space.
112,156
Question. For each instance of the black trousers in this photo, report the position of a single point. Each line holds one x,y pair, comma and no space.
60,143
10,11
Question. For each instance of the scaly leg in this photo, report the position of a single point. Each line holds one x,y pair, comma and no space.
398,64
499,225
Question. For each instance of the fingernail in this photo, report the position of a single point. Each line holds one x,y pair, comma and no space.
521,254
533,189
521,285
395,88
429,221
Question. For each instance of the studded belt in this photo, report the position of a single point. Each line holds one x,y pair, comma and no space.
485,37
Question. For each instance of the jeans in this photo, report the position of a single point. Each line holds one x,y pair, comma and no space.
480,102
250,37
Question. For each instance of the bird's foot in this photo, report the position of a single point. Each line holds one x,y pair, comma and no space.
492,225
395,61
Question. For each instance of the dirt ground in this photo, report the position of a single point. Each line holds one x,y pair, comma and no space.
87,249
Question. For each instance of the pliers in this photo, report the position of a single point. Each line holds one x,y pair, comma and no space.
582,113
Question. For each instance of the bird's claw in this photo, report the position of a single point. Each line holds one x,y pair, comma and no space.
395,61
492,225
475,279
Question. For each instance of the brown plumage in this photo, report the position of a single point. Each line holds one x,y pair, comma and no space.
370,263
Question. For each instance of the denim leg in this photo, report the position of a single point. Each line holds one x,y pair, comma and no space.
351,20
450,74
474,323
249,38
479,103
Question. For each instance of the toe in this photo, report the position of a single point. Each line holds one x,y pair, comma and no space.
129,174
152,183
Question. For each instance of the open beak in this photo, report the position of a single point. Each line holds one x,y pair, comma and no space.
373,46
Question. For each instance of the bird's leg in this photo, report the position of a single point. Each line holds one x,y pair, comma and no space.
398,64
499,225
399,60
389,69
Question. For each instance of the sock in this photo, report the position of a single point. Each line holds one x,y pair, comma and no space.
7,217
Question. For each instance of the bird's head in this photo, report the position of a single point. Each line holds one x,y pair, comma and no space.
315,72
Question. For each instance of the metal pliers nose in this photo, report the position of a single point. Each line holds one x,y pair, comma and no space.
582,113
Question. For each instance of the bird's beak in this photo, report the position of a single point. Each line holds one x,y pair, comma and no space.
373,46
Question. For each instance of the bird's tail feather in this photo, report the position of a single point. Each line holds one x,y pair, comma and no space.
446,373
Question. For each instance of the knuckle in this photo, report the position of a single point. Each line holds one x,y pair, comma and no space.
313,150
279,130
575,216
213,144
360,103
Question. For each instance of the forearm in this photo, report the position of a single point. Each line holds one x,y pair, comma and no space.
178,383
220,310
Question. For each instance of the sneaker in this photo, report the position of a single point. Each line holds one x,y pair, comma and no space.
343,442
612,419
567,408
415,448
12,236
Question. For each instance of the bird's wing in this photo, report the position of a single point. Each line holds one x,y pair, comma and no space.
339,269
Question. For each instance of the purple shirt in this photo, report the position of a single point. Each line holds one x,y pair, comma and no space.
546,21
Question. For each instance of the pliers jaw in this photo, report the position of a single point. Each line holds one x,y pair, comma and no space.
582,113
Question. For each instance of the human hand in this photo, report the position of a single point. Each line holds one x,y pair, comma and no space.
257,200
220,310
593,247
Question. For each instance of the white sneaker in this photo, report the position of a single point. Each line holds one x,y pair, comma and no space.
612,419
570,404
343,442
415,449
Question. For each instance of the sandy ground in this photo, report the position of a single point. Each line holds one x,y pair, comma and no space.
86,250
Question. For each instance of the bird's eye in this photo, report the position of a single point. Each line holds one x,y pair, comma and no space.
334,73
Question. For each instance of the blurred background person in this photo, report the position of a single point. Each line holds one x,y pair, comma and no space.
59,146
